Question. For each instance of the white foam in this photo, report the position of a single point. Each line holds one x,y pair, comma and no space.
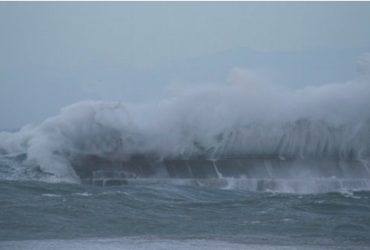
82,194
243,117
135,243
51,195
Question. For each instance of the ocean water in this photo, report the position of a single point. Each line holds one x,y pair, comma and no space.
247,165
39,215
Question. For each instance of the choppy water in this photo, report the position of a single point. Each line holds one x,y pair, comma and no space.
162,216
304,156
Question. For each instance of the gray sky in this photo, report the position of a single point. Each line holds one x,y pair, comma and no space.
141,33
48,49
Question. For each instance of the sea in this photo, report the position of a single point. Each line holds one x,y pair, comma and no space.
40,215
243,166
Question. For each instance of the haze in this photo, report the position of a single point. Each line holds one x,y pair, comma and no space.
55,54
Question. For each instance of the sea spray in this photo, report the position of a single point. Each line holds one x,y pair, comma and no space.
246,117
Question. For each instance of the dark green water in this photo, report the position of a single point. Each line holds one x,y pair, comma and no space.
41,211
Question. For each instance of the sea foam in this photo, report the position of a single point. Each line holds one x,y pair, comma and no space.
243,117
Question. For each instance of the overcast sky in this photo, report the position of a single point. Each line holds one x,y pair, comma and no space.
140,33
45,44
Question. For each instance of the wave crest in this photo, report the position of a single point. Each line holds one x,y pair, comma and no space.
242,119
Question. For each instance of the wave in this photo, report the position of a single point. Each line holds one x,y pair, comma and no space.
244,119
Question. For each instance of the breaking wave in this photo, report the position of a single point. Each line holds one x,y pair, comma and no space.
243,119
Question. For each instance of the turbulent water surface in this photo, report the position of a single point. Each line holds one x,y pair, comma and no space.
246,165
161,216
